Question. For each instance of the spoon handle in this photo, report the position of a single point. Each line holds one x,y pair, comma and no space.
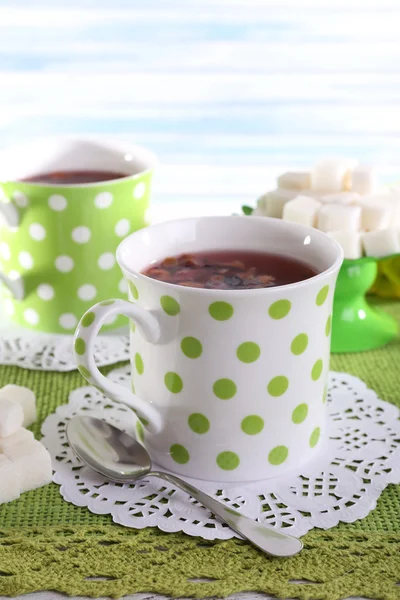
265,538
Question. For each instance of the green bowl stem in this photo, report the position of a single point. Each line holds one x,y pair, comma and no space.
356,325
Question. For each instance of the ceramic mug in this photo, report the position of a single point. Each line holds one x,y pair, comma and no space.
58,242
228,385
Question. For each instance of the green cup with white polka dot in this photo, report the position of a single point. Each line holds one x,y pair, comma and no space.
226,385
58,242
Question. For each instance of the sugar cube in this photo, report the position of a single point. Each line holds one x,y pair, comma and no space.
302,210
32,463
258,212
295,180
383,242
377,212
23,396
332,175
341,198
9,480
350,242
11,417
339,217
20,436
364,179
272,203
394,199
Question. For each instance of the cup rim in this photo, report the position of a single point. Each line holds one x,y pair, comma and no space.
126,147
203,291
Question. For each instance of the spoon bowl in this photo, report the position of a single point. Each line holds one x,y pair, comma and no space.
108,450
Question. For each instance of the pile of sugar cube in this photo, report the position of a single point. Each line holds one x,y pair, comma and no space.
341,198
25,464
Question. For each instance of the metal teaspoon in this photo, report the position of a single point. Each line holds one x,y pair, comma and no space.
119,457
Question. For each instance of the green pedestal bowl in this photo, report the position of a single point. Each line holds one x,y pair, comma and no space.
356,325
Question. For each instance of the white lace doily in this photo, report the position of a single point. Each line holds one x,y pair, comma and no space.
360,457
54,352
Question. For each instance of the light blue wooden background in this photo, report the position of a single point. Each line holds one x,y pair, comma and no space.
226,92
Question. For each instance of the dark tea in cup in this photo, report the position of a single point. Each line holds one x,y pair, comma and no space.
73,177
230,270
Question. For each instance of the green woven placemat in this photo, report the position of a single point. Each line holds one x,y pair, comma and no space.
46,543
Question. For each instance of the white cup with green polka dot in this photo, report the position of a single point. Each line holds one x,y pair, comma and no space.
58,242
227,385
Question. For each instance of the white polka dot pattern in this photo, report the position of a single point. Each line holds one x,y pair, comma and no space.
123,286
20,199
87,292
5,251
103,200
57,202
37,232
60,249
106,261
45,291
31,316
9,306
25,260
64,264
14,275
68,321
122,227
139,190
81,235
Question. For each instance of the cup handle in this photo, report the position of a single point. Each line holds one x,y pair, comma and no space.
16,286
11,216
10,213
85,335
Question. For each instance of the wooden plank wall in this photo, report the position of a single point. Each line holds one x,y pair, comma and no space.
226,92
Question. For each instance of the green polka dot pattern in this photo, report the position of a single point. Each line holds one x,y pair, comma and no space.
278,455
133,289
300,413
279,309
170,306
84,371
278,386
132,326
224,389
80,346
314,437
248,352
173,382
191,347
322,295
228,461
220,311
203,354
252,424
317,370
328,326
107,303
88,319
199,423
325,394
139,364
299,344
64,248
140,432
179,454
